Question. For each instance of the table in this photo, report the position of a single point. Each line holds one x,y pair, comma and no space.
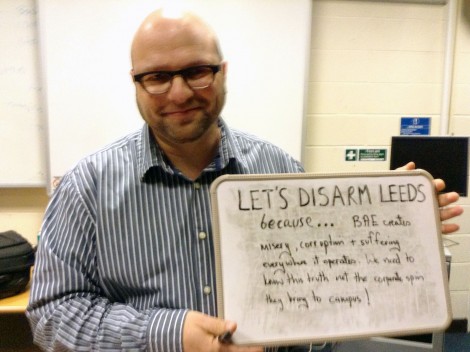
15,304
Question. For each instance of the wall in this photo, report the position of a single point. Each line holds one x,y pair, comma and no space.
22,209
104,38
373,62
460,125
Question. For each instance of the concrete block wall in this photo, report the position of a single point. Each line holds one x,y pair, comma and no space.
373,62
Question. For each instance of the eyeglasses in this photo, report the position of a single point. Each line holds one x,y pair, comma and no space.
196,77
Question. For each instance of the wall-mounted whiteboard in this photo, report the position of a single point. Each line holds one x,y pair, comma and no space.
310,258
22,136
90,95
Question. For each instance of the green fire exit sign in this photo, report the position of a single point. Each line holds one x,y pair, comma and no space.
366,154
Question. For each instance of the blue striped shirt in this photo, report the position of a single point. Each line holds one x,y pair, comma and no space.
126,245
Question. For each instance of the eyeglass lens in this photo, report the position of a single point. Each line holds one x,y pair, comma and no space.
197,77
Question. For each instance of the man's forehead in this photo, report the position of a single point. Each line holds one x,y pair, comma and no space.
174,59
174,53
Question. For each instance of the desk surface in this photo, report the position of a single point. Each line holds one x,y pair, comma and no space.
15,304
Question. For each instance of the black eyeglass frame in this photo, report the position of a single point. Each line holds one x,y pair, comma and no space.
183,72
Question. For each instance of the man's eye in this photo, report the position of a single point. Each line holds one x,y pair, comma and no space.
157,77
197,72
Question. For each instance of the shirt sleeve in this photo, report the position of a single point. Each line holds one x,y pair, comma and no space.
68,310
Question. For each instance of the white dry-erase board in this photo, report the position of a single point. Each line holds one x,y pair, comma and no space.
90,94
303,258
22,136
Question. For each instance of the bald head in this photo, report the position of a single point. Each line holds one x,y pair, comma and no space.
162,31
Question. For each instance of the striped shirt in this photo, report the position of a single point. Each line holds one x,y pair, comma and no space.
126,245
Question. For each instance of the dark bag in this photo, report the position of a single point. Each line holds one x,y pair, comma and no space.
16,259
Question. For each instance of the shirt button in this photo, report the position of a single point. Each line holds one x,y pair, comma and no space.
202,235
197,185
207,290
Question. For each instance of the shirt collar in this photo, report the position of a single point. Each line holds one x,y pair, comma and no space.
229,149
148,153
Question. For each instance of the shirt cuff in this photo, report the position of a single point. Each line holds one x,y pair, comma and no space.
165,330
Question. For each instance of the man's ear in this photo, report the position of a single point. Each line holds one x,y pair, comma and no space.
131,72
224,67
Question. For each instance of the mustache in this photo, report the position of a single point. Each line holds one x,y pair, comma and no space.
179,110
182,108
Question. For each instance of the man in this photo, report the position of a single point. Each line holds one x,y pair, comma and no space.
125,260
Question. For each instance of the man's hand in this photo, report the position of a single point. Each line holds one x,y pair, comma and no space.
201,332
444,199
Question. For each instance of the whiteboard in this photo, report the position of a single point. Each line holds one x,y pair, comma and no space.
90,95
22,135
309,258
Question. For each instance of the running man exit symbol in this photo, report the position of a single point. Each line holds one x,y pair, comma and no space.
351,154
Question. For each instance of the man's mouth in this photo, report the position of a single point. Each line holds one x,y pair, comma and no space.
180,111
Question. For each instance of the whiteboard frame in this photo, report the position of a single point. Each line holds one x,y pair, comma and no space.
315,338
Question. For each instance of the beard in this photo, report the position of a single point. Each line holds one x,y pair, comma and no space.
183,132
179,130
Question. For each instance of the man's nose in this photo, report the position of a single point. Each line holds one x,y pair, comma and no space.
179,91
